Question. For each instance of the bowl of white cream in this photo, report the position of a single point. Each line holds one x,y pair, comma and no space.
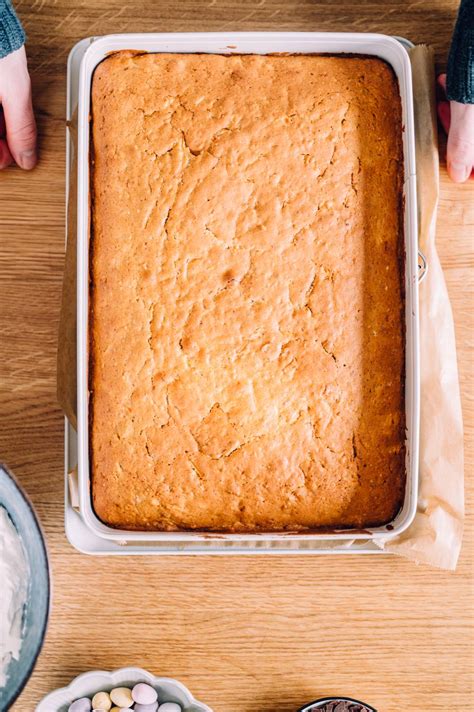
25,588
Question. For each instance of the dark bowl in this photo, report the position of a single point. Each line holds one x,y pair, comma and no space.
322,702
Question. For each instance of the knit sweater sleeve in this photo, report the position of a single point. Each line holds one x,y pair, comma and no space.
460,74
12,36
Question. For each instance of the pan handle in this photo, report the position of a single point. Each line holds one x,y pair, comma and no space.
422,266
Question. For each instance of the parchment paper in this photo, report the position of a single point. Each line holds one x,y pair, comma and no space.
435,536
436,533
66,362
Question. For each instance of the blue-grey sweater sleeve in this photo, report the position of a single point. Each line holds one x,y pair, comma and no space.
12,36
460,74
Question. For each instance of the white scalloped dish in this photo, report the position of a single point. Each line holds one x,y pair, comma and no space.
87,684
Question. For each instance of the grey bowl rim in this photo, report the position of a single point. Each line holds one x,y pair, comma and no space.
22,684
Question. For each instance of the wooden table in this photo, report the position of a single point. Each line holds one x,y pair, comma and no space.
245,634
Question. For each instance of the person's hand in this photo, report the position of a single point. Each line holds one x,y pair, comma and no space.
458,122
17,121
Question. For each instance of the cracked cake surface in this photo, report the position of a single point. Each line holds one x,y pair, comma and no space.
247,307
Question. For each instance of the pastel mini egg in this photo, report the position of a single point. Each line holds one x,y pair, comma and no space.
144,694
170,707
102,701
83,704
146,708
122,697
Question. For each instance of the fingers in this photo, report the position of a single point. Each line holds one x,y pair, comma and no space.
458,122
21,127
15,96
5,155
460,150
444,115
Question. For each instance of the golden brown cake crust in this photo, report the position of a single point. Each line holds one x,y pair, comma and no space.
247,349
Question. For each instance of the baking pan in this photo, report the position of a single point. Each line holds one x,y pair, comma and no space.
382,46
82,538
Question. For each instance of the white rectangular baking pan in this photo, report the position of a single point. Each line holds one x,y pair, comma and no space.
82,538
382,46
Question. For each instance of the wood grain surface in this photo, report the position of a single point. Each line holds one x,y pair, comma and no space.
245,634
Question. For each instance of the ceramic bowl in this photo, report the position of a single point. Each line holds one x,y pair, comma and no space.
36,612
87,684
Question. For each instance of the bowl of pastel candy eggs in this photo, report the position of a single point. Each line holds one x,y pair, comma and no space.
141,698
124,690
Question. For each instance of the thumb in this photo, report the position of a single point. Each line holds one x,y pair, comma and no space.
460,150
20,121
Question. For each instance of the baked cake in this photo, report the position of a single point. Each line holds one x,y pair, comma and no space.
247,305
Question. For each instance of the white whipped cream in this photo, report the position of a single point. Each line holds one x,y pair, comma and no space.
14,574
